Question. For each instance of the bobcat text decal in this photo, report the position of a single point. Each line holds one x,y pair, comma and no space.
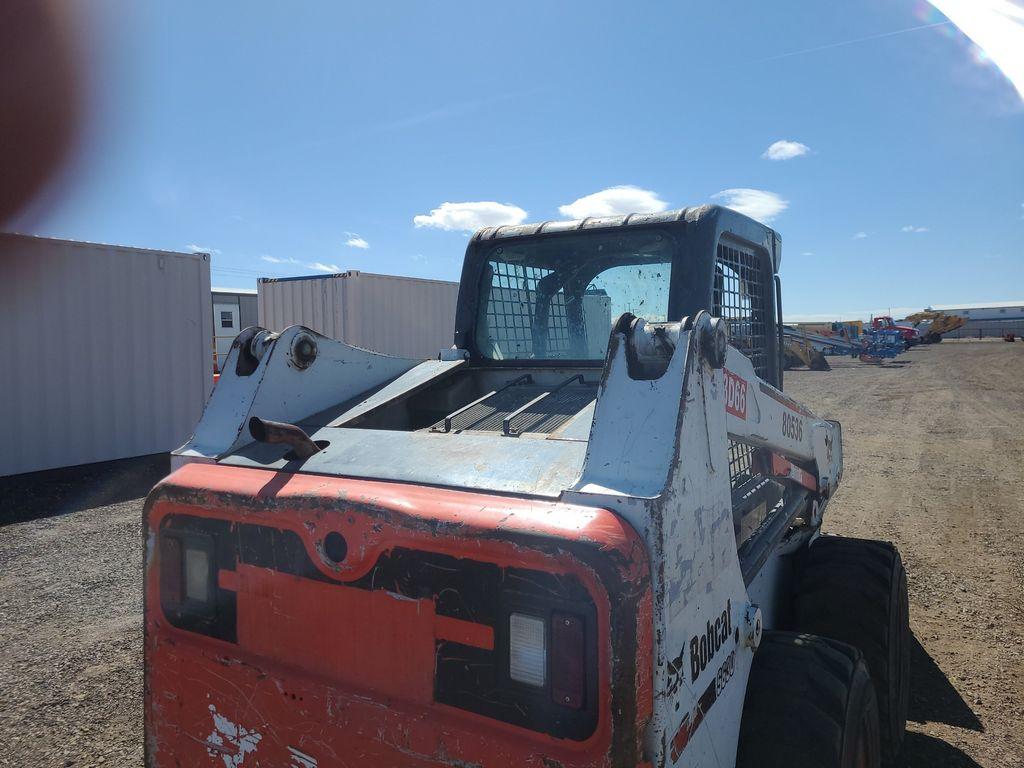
704,647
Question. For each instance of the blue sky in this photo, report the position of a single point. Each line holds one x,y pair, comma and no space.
284,136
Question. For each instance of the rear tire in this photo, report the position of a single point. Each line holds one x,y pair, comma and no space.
855,591
809,704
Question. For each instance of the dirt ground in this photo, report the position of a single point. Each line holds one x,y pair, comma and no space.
934,462
934,446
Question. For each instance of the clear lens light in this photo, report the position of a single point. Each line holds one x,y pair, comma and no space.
527,662
197,574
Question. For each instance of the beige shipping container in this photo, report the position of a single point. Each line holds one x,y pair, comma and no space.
105,351
404,316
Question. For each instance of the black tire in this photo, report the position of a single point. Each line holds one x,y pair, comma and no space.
809,704
855,591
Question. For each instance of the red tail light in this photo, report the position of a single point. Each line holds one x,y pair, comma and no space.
171,587
568,661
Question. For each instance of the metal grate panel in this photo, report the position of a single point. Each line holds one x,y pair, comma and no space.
554,411
543,416
740,463
488,415
739,298
512,310
753,493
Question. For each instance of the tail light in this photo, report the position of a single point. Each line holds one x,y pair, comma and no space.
190,595
186,572
171,591
568,661
532,662
197,574
527,649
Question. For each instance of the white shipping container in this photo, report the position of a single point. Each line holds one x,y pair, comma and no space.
105,351
404,316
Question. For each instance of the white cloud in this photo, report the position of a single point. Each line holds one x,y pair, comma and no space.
471,216
356,242
321,267
807,253
755,203
614,201
996,27
317,266
860,235
785,150
203,249
912,228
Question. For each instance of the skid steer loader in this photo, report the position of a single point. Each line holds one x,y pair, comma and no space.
587,534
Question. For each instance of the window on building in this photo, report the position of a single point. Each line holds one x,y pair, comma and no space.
226,320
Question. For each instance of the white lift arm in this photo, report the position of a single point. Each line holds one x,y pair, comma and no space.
761,415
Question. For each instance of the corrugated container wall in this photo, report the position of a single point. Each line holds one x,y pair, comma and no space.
402,316
104,353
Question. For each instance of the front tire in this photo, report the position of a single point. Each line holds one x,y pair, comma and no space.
809,704
855,591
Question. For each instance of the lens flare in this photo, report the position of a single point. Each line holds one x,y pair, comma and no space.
991,32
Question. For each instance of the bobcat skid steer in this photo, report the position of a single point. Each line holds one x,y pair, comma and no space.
587,534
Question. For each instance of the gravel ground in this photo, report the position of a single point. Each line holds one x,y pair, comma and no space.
934,449
71,615
934,462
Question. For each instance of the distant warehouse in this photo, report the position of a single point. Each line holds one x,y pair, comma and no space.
404,316
984,319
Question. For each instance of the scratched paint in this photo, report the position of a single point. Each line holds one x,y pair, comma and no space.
300,759
230,742
380,711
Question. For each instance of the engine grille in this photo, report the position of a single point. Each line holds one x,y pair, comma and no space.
528,407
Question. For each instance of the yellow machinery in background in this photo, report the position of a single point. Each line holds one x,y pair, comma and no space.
806,344
932,324
797,352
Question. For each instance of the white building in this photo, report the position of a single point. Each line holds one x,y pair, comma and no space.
986,318
989,310
234,309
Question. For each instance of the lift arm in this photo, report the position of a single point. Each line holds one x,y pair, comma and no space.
804,447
